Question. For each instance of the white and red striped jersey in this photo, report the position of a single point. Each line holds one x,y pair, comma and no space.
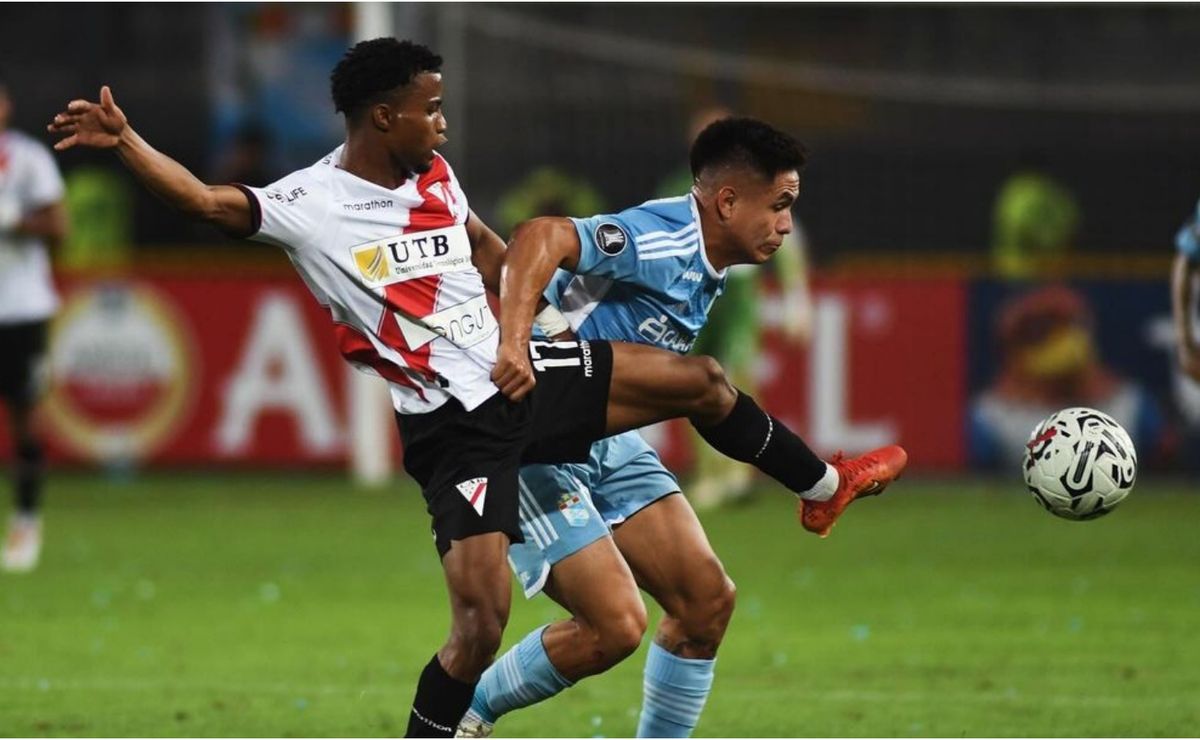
29,180
394,269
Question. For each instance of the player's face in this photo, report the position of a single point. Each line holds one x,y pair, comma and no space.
419,126
763,216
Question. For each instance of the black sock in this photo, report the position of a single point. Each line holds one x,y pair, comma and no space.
751,435
440,703
28,475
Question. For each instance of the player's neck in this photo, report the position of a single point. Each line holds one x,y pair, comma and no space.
715,249
372,164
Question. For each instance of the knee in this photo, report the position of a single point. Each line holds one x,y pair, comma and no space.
475,640
706,613
618,636
715,396
623,637
724,601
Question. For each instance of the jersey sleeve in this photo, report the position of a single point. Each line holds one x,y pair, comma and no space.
1187,241
43,185
287,213
606,247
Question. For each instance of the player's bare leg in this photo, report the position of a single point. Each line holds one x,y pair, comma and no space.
649,385
476,570
607,624
671,558
608,616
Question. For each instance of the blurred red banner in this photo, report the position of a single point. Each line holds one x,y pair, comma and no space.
243,372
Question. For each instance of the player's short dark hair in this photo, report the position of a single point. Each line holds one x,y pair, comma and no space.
370,70
749,143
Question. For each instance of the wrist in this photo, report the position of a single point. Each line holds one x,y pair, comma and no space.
128,138
551,322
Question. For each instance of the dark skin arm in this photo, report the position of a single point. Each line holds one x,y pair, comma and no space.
536,250
104,126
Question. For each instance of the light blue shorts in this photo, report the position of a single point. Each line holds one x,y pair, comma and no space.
565,508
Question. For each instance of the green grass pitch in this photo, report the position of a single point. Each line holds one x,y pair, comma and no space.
279,605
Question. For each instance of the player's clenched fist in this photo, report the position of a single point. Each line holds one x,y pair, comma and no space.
91,124
513,373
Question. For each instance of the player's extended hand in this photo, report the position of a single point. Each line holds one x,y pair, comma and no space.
513,373
83,123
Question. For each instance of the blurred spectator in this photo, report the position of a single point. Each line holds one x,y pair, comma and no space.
101,206
1183,295
1035,220
246,159
546,192
733,332
32,216
1048,362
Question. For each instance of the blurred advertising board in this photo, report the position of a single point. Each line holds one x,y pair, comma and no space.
886,362
1034,348
195,371
200,371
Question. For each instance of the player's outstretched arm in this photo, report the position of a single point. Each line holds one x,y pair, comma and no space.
104,126
1183,277
537,248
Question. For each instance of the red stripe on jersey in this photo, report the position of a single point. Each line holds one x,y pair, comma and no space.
437,211
355,347
418,298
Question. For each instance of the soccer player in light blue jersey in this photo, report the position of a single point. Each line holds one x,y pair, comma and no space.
1183,280
595,532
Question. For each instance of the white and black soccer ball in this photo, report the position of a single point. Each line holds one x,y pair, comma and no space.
1079,463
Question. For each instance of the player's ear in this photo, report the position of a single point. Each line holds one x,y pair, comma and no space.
381,116
726,200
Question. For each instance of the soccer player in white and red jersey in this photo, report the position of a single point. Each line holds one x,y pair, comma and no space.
381,233
32,217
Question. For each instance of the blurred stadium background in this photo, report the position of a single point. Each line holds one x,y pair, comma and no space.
988,218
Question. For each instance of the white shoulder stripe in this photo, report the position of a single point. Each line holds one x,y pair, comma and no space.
653,235
666,244
669,253
669,199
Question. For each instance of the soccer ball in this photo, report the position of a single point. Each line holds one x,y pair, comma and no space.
1079,464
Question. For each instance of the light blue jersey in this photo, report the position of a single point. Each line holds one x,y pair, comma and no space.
643,276
1188,238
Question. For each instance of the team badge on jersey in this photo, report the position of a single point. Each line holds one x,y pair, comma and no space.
474,491
570,505
611,239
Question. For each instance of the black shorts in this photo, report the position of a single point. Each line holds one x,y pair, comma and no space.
22,361
467,462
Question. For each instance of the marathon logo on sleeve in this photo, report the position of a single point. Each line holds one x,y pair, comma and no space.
611,239
404,257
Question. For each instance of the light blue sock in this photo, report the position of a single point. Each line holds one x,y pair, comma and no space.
521,677
675,692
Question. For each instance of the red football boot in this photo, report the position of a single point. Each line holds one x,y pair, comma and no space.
865,475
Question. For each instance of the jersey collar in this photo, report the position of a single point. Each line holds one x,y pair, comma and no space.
712,271
408,193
